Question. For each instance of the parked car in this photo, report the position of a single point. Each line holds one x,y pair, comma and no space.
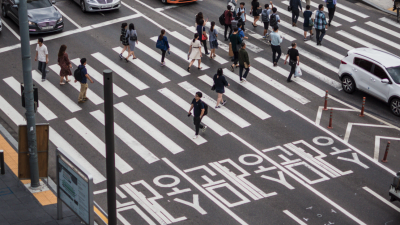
375,72
42,15
98,5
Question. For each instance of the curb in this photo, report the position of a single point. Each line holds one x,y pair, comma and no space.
380,8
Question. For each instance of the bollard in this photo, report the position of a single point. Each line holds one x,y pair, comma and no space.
386,152
3,170
326,101
330,120
362,108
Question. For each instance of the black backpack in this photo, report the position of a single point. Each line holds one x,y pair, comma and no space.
272,20
205,108
265,16
222,19
78,74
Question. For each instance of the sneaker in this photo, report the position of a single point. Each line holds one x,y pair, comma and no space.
207,53
217,107
162,64
241,81
204,129
244,79
43,80
81,101
264,37
120,56
305,39
224,102
232,69
195,136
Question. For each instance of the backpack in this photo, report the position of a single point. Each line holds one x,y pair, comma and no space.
133,37
160,44
272,20
78,74
205,108
234,23
265,16
222,19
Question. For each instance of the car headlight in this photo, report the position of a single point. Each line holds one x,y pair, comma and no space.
59,20
31,23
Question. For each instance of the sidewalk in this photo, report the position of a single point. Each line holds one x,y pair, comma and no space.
18,205
383,5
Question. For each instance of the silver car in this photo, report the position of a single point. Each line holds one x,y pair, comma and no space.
98,5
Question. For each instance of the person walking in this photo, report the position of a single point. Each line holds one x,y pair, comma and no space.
255,10
163,45
244,63
124,39
320,24
198,112
331,5
228,22
276,40
294,60
295,5
235,41
42,55
265,14
213,35
65,65
132,35
242,11
274,19
220,83
308,23
83,80
195,52
201,30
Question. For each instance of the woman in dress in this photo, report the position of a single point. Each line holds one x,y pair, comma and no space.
213,34
220,84
65,64
131,34
195,51
254,6
124,39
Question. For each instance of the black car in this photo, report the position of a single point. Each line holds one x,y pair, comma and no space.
42,15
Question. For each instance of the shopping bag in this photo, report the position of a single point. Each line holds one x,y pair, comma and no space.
297,72
230,50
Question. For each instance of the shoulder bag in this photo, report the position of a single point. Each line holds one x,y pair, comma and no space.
215,42
132,37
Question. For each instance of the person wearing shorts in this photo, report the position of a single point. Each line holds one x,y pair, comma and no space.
307,22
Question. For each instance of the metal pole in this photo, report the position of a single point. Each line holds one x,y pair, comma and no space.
110,152
29,95
3,170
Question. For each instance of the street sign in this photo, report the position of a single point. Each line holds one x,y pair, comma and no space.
74,187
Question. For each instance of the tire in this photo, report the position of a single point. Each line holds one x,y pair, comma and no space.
4,11
164,1
395,106
348,84
83,6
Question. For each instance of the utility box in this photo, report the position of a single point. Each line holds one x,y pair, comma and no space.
35,96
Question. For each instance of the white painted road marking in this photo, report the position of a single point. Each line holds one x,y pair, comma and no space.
382,199
295,218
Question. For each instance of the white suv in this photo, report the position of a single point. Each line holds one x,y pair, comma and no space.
374,71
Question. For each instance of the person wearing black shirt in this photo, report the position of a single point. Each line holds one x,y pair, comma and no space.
294,60
198,111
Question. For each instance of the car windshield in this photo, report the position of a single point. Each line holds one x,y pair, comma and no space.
395,73
37,4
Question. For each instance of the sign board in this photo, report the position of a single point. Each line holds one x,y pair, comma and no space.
74,187
42,140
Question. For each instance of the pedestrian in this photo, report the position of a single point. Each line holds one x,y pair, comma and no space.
241,32
274,19
276,40
198,113
233,4
83,80
195,52
308,23
213,34
244,63
132,35
320,23
228,21
65,64
235,41
42,55
265,18
124,39
255,10
331,5
242,9
220,83
295,5
294,59
163,45
201,30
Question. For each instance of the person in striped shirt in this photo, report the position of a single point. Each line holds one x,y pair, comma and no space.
320,23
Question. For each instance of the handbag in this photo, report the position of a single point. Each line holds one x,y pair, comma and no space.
246,66
121,38
259,11
230,50
213,87
289,8
133,37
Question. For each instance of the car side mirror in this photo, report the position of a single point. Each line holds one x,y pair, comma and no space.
385,81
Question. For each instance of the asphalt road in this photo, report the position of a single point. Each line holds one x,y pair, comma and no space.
267,156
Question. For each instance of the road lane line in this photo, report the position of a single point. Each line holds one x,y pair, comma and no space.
389,21
171,119
66,16
132,143
356,39
55,92
378,143
120,71
350,126
149,128
238,99
11,112
97,144
11,30
143,66
99,78
295,218
211,103
350,10
185,105
377,37
46,113
93,97
384,29
320,61
382,199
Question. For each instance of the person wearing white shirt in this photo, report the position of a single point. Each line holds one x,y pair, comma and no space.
42,55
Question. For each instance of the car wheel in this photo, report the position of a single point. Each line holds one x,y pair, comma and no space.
348,84
395,106
164,1
83,6
4,11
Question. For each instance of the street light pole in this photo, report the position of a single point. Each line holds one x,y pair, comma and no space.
28,89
